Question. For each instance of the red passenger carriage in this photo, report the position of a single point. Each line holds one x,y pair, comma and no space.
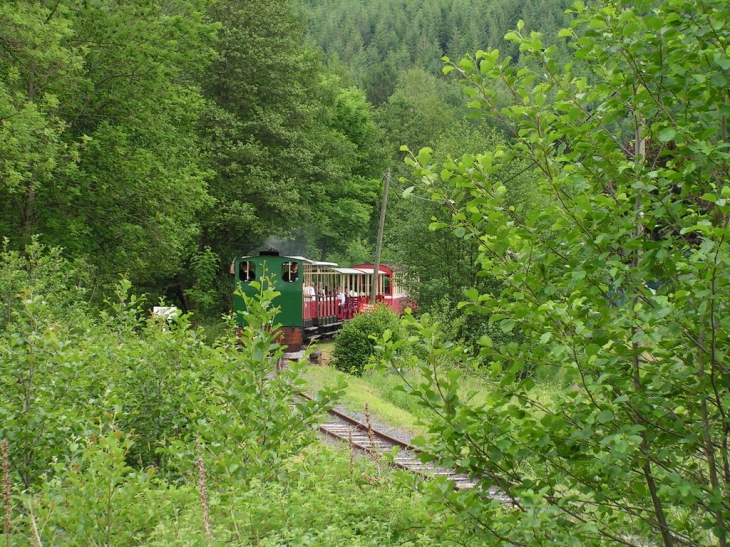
320,296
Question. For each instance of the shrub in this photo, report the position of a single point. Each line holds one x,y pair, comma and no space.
95,498
45,370
42,272
465,327
355,343
247,416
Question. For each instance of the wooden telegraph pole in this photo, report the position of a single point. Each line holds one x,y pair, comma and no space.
379,245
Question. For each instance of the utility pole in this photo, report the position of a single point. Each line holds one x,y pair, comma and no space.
379,245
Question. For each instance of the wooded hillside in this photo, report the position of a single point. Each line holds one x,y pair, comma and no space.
158,139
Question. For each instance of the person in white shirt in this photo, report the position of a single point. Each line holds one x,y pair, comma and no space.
309,293
340,299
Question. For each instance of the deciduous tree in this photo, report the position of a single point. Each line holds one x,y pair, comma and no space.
619,280
99,112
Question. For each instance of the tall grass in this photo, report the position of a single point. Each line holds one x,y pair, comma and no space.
388,397
379,392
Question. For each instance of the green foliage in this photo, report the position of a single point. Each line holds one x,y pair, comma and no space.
358,251
205,266
41,270
442,266
617,280
97,118
423,109
95,498
31,129
43,367
127,428
247,416
63,368
470,329
355,343
149,397
321,498
342,214
301,155
153,376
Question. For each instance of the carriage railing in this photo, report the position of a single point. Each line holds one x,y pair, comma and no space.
352,306
309,311
327,309
320,310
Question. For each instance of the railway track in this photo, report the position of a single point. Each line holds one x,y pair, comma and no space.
368,439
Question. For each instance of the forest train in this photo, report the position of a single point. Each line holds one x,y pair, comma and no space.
316,297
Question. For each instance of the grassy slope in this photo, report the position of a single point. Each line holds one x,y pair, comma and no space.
385,403
398,409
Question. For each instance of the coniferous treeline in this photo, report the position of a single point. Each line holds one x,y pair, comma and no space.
379,39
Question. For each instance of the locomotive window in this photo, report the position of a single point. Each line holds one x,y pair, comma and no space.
246,271
290,271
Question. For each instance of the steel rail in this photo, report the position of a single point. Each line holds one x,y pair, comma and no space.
370,440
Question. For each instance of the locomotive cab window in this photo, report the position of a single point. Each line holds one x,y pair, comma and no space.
290,271
246,271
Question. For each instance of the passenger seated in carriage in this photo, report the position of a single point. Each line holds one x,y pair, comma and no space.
309,293
340,299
